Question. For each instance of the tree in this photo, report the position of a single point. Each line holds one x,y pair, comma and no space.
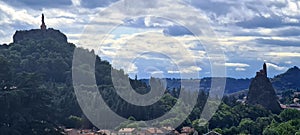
269,131
200,125
225,117
248,126
74,122
285,128
262,123
289,114
5,74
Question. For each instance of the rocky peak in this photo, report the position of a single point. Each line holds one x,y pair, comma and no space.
261,92
38,35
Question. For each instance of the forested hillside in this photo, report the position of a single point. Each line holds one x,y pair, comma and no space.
37,96
37,92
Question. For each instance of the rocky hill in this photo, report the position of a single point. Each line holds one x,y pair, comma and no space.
38,35
261,92
288,80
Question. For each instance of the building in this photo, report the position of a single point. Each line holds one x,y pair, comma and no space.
187,130
127,131
212,133
71,131
154,131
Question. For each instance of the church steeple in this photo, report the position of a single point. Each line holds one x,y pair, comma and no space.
43,26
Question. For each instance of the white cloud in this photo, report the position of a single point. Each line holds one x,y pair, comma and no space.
76,2
174,72
186,70
241,65
237,42
284,54
288,62
276,67
240,69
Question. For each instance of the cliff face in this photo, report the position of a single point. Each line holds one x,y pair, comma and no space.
38,34
261,92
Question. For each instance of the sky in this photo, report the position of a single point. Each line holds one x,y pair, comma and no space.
171,38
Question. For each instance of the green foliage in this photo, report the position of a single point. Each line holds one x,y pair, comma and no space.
262,123
200,125
270,132
74,122
285,128
225,117
289,114
36,96
248,126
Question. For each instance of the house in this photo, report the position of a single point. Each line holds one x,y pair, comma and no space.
173,132
294,106
212,133
169,131
296,94
127,131
283,106
187,130
154,131
71,131
86,132
296,100
104,132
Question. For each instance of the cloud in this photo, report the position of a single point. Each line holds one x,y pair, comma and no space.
39,4
283,54
177,31
96,3
276,67
288,62
147,22
263,22
240,69
186,70
290,31
240,65
218,7
273,21
248,31
277,42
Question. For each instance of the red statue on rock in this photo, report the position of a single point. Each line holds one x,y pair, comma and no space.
43,26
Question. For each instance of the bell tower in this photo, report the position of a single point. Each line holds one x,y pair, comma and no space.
43,26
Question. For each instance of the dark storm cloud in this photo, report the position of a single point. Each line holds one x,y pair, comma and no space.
37,4
277,42
96,3
264,22
177,31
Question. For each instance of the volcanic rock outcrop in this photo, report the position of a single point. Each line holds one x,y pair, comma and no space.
261,92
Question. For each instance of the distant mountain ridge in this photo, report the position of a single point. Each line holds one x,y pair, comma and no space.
288,80
205,84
